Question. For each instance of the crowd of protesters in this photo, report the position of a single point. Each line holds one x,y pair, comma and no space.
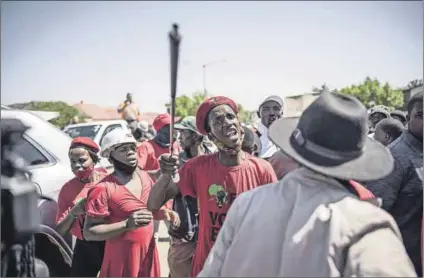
336,192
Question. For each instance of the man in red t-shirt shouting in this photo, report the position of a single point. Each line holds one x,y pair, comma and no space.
215,179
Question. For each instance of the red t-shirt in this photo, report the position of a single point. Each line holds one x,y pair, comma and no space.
68,194
149,152
216,186
133,253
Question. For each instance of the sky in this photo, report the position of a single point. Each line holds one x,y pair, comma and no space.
98,51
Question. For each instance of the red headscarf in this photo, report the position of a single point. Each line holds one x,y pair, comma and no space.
207,106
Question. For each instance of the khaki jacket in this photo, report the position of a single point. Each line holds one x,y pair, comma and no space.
307,225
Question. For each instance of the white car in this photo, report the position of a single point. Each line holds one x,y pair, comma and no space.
96,131
45,151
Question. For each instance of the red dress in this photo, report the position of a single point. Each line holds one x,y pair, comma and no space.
68,195
133,253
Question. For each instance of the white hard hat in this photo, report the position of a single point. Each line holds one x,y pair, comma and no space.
114,139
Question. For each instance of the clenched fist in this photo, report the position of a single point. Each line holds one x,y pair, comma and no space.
139,218
168,164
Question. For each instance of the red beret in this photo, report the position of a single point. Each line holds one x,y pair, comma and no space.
208,105
85,142
161,121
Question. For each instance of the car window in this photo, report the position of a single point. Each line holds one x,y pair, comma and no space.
84,131
109,129
29,153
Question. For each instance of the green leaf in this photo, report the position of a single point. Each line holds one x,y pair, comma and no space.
372,92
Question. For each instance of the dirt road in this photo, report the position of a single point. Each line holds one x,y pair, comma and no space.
163,247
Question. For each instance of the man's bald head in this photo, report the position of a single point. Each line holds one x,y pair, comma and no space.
388,130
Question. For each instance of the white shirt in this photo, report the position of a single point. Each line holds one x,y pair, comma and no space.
268,148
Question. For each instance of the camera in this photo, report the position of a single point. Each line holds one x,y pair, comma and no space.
20,218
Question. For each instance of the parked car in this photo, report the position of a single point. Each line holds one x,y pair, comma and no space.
45,151
96,131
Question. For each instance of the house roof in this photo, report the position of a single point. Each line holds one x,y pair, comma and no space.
301,95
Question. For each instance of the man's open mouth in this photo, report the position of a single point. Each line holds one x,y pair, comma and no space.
271,119
232,132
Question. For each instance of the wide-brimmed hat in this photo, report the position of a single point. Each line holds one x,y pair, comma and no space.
330,138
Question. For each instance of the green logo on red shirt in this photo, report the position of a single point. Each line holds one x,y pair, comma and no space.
218,192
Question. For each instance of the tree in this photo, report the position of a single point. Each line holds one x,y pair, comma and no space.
371,92
245,116
67,112
186,106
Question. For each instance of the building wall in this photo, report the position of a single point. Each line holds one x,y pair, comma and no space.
407,94
295,105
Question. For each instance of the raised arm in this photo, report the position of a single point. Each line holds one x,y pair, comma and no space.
163,190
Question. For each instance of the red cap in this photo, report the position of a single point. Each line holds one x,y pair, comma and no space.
208,105
161,121
85,142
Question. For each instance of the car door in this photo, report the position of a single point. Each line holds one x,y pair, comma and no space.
104,162
47,174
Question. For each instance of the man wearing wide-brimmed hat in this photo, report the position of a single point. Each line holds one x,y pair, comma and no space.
313,222
214,180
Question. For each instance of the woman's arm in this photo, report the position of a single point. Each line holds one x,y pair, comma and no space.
64,226
96,229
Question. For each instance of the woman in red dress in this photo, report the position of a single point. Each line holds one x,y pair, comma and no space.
88,256
117,213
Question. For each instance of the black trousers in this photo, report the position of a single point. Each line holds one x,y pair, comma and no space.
88,258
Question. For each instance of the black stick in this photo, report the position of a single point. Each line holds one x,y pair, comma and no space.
174,43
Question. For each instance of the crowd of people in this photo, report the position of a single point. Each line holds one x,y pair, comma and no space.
335,192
